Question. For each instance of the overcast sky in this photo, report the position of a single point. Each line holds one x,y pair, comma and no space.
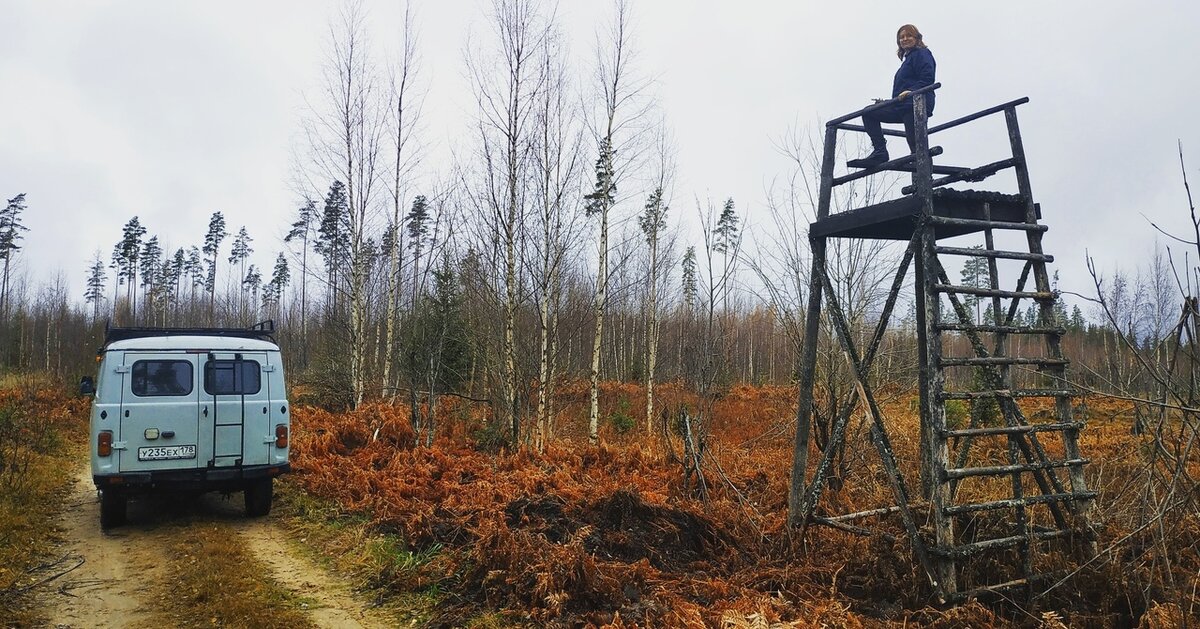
173,110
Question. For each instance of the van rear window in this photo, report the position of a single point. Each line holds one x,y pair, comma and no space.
154,378
232,377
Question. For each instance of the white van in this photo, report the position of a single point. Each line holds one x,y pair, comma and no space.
188,409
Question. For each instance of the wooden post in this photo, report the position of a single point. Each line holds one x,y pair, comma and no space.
808,351
1062,404
934,455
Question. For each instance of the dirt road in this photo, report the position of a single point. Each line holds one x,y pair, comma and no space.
110,579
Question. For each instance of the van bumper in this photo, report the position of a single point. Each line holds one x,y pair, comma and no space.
198,479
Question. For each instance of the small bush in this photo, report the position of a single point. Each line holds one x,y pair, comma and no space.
957,414
621,419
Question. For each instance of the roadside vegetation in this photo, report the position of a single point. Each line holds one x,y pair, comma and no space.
42,437
216,582
619,534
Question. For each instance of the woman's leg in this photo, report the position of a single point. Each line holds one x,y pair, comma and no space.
871,122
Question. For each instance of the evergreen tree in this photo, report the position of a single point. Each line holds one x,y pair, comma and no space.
1060,308
726,241
1078,323
975,274
251,284
280,276
213,239
418,235
604,193
150,266
129,250
177,269
94,286
689,278
10,234
333,242
301,230
195,270
653,220
212,246
238,254
727,229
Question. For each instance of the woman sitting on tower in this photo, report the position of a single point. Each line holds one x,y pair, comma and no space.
917,70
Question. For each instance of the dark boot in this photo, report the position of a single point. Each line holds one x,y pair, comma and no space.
877,157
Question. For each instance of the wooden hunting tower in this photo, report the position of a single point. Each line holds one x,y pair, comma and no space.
1028,454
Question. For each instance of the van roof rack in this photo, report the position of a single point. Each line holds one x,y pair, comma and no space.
263,330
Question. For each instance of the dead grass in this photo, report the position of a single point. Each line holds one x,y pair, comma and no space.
42,436
215,582
406,584
609,535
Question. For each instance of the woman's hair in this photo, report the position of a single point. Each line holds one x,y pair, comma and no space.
916,33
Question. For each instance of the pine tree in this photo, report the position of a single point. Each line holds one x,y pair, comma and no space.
212,246
652,222
10,234
239,252
727,241
418,236
94,291
1078,323
976,275
333,241
301,230
250,285
129,252
178,268
195,271
280,276
689,278
150,266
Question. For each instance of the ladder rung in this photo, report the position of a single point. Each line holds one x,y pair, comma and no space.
1005,393
994,253
1018,502
1013,430
967,550
971,222
1007,329
1001,360
990,292
999,470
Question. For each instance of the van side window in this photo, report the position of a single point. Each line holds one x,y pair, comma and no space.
232,377
153,378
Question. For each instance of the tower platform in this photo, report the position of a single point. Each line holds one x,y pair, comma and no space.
898,218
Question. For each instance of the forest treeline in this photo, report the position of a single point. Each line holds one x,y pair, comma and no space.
551,250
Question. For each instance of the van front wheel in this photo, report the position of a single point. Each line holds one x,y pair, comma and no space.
112,508
258,497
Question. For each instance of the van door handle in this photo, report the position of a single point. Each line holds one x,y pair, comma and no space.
206,411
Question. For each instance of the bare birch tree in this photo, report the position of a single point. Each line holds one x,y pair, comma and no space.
346,135
506,86
558,172
653,225
405,112
617,137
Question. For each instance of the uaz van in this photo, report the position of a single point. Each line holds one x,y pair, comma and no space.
188,410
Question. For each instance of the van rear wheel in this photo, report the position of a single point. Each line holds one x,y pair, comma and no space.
258,497
112,508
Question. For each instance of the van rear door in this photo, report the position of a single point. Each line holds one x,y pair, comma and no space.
159,412
234,389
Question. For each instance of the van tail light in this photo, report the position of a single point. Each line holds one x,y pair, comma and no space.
281,435
104,443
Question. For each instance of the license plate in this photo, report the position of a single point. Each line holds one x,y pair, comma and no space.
165,453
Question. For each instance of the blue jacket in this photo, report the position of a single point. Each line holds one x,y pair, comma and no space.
916,71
